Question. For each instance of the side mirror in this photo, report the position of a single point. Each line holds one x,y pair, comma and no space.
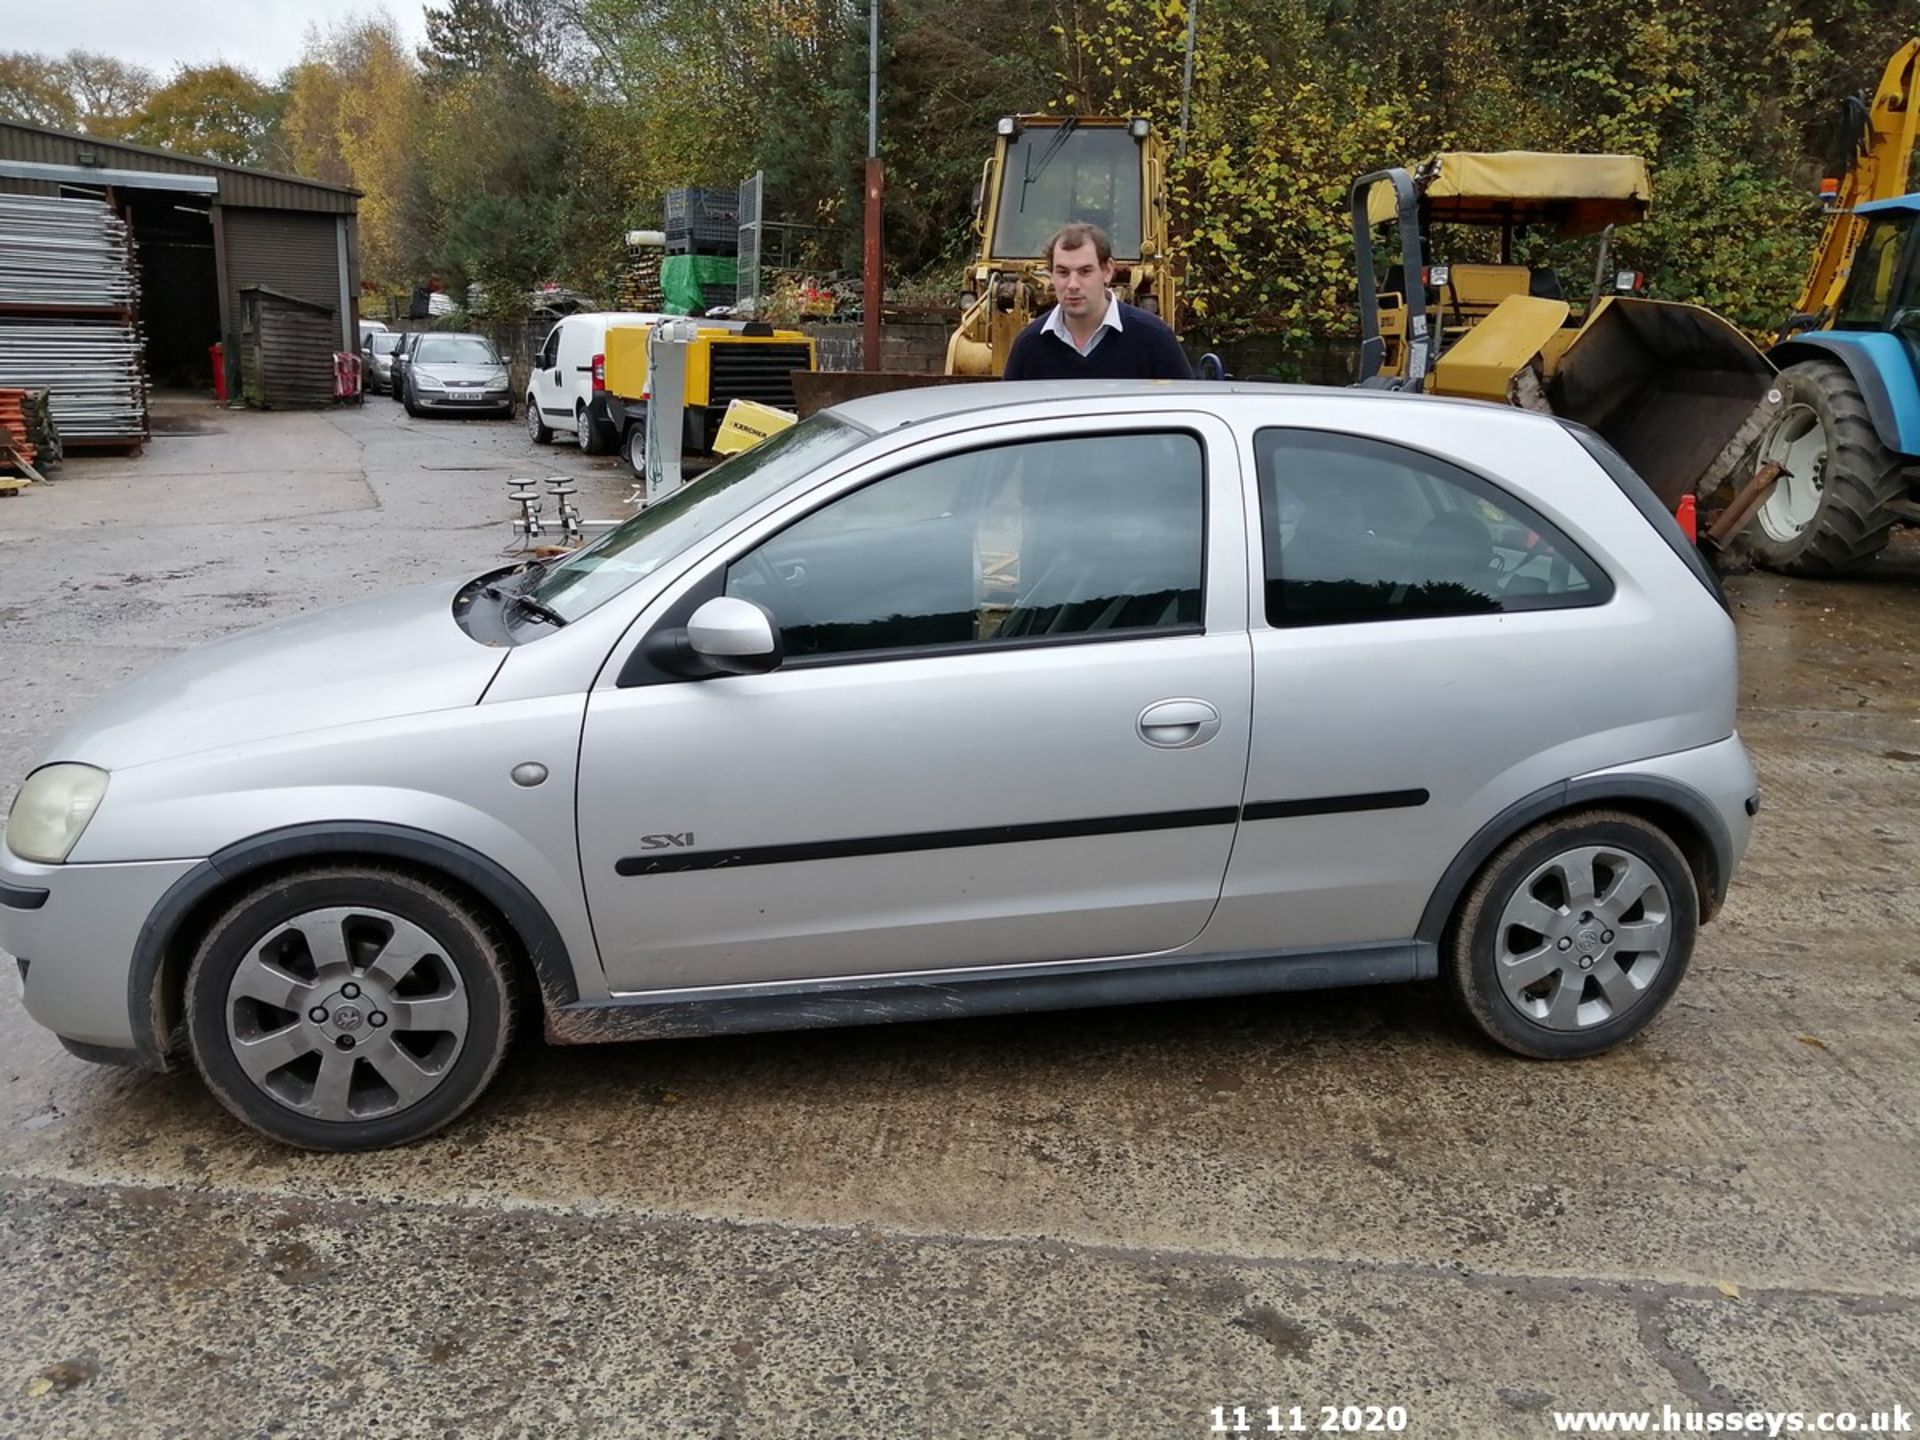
725,636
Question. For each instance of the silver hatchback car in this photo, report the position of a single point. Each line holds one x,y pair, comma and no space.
951,702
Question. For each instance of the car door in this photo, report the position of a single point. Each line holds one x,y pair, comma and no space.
1011,727
543,379
398,369
1422,659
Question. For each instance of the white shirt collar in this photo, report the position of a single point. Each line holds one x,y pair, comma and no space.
1056,325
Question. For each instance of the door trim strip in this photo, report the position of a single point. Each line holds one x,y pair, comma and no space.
1335,805
669,864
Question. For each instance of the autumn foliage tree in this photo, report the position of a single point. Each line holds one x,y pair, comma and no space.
526,136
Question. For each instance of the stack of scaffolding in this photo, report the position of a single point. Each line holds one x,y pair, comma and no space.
69,296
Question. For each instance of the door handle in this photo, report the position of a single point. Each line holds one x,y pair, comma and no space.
1178,724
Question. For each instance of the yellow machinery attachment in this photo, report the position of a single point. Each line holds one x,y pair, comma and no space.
747,424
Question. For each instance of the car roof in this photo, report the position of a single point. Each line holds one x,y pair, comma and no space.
920,405
612,317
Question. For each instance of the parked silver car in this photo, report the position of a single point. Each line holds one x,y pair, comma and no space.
460,374
378,350
948,702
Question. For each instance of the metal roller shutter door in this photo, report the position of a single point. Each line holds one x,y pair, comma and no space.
296,254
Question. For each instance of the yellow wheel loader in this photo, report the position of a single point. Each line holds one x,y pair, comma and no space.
1045,171
1675,388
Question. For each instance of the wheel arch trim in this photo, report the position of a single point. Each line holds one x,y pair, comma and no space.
539,937
1629,790
1888,380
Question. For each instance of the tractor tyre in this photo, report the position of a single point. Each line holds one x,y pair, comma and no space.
1827,515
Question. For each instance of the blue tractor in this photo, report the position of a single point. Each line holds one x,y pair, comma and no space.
1847,435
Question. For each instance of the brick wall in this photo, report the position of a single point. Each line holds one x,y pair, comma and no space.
908,346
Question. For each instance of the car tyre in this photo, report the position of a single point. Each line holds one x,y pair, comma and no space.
633,447
1556,967
538,430
420,981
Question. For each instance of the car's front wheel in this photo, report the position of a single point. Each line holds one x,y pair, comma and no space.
350,1007
538,430
1575,935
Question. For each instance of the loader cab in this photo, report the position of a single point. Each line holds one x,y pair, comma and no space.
1047,171
1882,293
1071,170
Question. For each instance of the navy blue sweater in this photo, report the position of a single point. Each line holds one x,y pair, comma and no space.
1142,349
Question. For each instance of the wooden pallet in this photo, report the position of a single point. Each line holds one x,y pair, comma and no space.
12,459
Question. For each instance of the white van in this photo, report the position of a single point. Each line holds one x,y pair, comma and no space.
567,389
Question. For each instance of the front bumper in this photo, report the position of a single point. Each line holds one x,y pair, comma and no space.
77,926
501,404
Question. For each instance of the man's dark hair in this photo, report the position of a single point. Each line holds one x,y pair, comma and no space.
1075,235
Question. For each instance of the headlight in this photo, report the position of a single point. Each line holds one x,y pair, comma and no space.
427,382
51,811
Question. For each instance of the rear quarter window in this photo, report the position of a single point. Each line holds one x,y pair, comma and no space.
1359,530
1648,504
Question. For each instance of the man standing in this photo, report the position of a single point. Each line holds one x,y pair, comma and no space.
1089,334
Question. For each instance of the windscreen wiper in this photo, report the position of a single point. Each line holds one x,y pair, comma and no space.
537,608
1037,168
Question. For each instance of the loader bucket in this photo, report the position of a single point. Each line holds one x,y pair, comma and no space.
1666,385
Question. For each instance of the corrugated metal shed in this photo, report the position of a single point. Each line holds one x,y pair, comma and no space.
257,189
287,347
289,234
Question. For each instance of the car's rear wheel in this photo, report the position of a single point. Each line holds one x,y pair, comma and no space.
1575,935
590,433
350,1007
538,430
634,447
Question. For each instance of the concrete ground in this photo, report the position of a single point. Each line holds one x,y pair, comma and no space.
1099,1224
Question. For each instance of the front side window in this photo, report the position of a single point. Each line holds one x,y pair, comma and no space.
1049,539
1357,530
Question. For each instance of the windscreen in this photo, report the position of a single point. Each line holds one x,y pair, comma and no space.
456,350
590,577
1872,292
1057,175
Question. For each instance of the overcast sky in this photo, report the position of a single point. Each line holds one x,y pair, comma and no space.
264,36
